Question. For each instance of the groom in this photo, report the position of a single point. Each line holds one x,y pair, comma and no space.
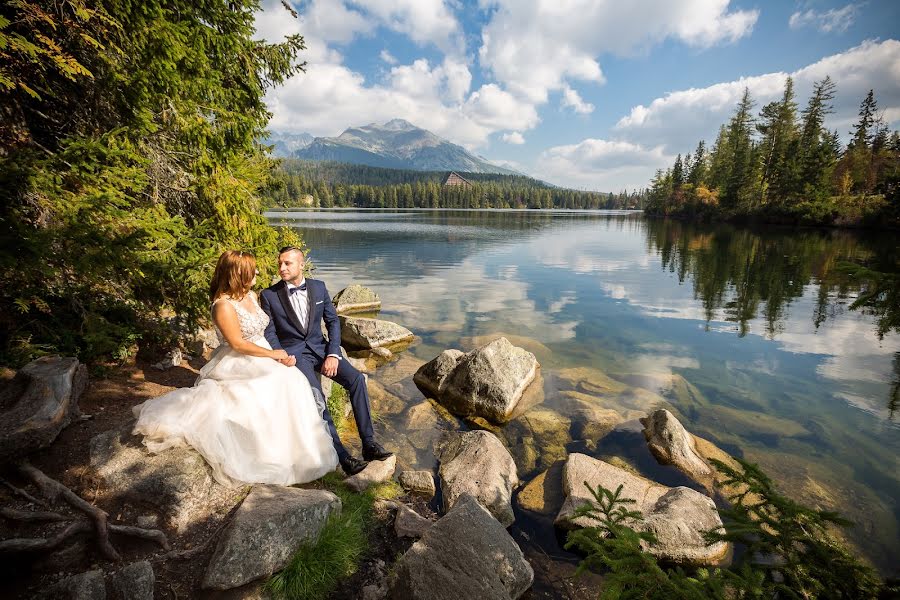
296,307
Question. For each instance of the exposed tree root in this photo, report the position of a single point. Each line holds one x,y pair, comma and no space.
24,494
53,491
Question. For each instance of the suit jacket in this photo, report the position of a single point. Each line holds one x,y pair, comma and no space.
285,331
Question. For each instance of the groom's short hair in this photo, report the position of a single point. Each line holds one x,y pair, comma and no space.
290,249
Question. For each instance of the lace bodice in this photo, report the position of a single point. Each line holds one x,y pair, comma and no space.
253,324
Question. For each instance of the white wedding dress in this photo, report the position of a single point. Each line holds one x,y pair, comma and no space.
253,419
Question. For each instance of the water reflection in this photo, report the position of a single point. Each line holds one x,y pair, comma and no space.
748,336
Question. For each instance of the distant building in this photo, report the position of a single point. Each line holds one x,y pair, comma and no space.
454,179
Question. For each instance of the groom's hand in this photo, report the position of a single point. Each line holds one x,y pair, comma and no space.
330,366
290,361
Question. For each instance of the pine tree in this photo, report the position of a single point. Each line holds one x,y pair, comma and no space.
739,178
678,172
816,156
697,173
778,126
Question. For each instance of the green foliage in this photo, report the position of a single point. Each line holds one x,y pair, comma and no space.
128,162
337,403
316,568
329,184
788,551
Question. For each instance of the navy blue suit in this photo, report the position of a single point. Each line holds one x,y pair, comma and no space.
310,347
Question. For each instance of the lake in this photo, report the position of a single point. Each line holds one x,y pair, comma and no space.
747,335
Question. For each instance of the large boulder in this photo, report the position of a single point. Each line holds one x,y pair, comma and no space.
678,517
671,444
40,401
476,463
487,382
177,482
134,582
465,554
431,377
358,333
354,299
267,529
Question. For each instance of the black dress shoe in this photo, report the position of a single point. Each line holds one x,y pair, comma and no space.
353,465
375,451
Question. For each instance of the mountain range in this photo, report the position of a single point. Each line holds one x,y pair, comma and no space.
397,144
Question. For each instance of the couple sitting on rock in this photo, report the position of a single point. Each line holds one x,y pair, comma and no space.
257,413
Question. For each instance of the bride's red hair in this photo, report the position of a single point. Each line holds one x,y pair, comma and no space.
233,276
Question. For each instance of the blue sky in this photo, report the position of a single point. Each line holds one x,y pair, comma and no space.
585,94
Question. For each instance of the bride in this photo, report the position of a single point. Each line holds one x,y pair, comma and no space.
250,414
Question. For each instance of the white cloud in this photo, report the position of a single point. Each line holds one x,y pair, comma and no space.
834,20
571,99
601,164
513,137
423,21
533,47
679,119
387,57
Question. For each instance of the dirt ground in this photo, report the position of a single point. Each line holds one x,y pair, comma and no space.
107,404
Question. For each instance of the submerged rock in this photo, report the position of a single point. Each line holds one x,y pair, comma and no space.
356,298
271,524
543,494
487,382
676,516
476,463
464,555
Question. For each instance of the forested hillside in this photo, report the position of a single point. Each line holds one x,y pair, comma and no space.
330,184
784,166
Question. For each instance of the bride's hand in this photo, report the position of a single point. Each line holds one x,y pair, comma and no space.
290,361
279,355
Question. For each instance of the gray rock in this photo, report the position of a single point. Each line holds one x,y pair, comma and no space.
172,359
356,298
134,582
377,471
476,463
677,516
358,333
487,382
431,376
409,523
205,338
671,444
465,554
84,586
177,482
373,592
382,353
267,529
421,482
40,401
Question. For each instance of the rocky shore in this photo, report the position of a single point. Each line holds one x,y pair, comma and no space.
477,444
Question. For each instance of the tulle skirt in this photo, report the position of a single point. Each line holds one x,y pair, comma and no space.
253,419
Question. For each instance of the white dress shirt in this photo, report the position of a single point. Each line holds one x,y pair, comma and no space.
299,302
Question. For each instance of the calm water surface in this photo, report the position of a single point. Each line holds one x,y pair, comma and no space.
747,335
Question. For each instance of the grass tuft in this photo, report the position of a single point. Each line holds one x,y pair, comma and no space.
316,569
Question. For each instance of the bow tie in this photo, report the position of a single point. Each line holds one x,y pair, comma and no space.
299,288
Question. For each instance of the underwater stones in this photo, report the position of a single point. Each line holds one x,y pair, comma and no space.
541,432
543,494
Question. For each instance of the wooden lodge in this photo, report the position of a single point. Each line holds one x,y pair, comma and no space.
455,179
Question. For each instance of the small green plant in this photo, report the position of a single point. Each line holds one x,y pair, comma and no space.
316,568
788,551
337,403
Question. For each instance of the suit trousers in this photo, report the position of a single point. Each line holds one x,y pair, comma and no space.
355,384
